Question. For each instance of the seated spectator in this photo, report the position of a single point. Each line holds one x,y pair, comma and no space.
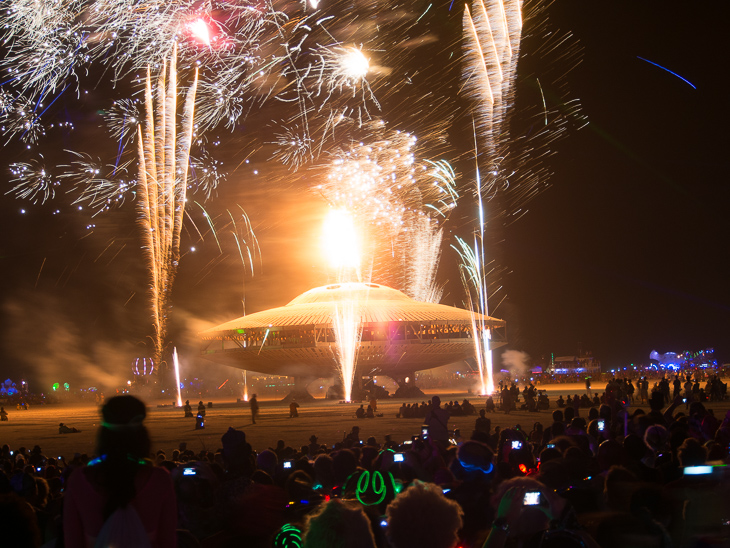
483,424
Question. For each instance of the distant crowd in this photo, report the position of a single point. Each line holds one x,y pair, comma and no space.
595,476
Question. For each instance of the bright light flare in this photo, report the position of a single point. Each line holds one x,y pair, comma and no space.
354,64
340,240
200,30
176,362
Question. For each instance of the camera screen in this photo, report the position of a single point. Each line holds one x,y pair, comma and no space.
532,498
516,444
601,424
287,464
697,470
398,457
189,472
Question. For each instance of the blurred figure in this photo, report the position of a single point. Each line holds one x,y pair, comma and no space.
422,516
254,403
437,420
336,524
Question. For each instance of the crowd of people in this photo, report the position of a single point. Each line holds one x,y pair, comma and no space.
590,477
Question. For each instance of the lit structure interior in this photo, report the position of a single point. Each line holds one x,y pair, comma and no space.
399,335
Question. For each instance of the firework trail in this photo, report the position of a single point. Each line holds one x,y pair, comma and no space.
492,37
493,32
162,187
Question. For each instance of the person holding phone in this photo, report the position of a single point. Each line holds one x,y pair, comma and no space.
525,508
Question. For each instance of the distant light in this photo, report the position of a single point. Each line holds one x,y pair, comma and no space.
192,249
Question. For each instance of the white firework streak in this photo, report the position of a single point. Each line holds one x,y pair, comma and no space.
473,278
31,181
347,325
492,35
96,184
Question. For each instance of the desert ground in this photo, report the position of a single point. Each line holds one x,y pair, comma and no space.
328,420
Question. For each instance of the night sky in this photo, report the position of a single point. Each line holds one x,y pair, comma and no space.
624,253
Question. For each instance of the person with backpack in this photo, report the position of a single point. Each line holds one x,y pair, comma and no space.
120,498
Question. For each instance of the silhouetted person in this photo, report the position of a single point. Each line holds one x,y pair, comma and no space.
437,420
3,414
188,410
120,487
293,412
254,403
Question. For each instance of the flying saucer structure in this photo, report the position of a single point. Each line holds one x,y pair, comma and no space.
399,335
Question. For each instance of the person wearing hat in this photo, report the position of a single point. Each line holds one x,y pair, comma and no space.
121,487
187,409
